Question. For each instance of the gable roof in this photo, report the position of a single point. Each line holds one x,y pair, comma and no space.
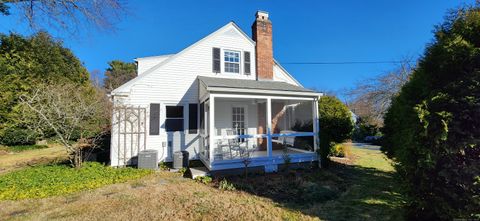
165,56
243,85
125,87
286,72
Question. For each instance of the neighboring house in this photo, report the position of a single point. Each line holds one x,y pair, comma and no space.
223,99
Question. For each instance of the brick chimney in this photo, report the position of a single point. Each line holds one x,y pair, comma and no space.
262,35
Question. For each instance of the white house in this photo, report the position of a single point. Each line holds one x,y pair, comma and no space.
222,99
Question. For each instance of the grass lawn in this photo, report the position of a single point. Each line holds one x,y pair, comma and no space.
52,180
21,148
13,160
360,189
371,191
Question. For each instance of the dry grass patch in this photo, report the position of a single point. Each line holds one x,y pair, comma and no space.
16,160
364,190
160,196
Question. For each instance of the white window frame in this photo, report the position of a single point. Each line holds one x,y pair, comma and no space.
239,61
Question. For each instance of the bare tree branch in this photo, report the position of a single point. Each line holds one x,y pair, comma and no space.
77,115
371,98
68,15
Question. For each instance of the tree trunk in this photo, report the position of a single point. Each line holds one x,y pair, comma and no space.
77,158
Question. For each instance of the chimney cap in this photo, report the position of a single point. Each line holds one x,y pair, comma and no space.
261,15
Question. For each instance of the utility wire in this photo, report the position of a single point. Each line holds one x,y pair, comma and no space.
348,62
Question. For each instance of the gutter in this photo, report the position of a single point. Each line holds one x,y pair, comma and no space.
259,91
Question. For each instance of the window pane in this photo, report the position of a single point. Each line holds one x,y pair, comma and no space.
232,67
174,111
174,125
232,61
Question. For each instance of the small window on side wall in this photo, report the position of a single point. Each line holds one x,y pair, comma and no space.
174,118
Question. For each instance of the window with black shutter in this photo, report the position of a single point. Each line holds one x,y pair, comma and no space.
174,118
192,118
246,62
231,61
216,60
154,119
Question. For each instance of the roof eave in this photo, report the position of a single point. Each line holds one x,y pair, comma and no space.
285,70
263,92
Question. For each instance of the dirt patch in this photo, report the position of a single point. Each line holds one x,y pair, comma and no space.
289,187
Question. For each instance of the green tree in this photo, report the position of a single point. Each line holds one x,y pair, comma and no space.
432,128
363,128
336,125
24,63
118,73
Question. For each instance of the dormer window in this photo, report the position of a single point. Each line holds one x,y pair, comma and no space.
232,61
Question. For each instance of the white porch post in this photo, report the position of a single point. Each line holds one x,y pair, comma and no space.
316,128
211,130
206,117
269,127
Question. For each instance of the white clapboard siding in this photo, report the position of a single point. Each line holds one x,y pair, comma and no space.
144,64
171,80
174,83
280,74
223,116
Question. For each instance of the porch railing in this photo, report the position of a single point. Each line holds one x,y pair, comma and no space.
256,145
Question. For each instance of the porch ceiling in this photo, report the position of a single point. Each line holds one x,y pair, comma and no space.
251,86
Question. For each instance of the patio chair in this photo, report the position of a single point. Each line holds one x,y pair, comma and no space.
234,144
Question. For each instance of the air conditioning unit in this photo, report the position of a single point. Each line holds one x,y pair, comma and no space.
180,159
148,159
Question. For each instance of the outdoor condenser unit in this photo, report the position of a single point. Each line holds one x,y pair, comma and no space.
177,160
148,159
180,159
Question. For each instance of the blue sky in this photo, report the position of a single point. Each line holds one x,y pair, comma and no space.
303,31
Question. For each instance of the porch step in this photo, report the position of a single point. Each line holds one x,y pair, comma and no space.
199,171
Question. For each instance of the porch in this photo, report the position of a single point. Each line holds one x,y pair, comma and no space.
255,123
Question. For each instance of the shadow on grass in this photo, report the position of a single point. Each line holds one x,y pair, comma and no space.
341,192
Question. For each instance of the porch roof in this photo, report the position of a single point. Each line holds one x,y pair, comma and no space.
243,85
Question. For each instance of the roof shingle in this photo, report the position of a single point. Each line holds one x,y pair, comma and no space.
251,84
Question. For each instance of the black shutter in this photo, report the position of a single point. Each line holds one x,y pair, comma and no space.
154,119
246,63
192,118
216,60
202,117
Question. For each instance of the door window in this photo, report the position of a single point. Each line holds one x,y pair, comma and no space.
238,121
